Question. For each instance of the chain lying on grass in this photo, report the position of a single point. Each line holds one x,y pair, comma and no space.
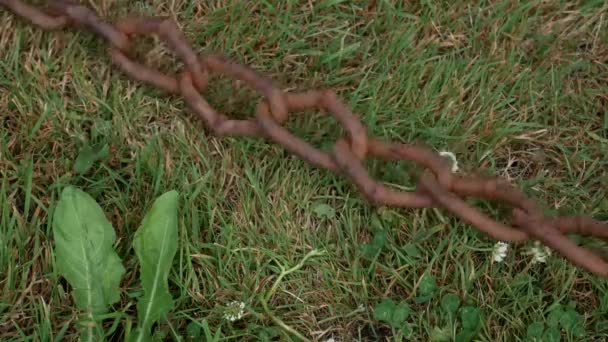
438,186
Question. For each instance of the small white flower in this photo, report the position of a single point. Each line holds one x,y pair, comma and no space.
499,253
452,157
234,311
540,254
331,340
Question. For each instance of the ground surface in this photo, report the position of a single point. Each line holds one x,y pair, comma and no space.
517,89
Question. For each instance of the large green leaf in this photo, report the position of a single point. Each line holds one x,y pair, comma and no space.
85,257
155,245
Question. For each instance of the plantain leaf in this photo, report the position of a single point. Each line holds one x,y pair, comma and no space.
155,245
85,257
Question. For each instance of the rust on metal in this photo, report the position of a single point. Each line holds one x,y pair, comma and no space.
437,186
142,73
82,16
168,31
36,16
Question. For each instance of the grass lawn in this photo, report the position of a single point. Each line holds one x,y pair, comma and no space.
516,89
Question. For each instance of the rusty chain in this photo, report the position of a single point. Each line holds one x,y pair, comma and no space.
437,186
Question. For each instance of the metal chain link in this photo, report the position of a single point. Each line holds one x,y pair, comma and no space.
437,186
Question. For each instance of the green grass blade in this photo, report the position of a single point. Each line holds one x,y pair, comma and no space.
85,257
155,244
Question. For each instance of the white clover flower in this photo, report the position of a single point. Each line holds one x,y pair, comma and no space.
539,254
452,157
234,311
499,253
